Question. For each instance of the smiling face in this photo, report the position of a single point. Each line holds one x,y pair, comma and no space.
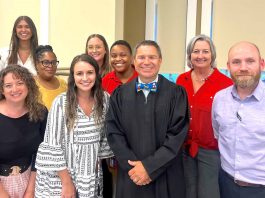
14,89
84,77
23,31
47,71
147,63
201,55
120,58
96,49
245,65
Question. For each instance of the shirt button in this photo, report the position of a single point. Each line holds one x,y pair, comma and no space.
190,118
190,106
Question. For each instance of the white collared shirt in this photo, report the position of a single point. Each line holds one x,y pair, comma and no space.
29,64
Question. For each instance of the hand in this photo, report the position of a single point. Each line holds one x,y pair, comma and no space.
30,191
138,174
68,190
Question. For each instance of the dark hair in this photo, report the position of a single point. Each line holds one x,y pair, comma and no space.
105,68
148,43
41,49
192,43
32,101
71,94
122,42
14,43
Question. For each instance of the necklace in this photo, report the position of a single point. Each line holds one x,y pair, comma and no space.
205,78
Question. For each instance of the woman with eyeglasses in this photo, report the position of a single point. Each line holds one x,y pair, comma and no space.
97,47
50,85
24,41
22,125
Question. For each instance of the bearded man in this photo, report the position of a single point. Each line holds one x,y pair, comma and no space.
238,116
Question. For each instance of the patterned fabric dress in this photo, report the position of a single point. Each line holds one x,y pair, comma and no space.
78,150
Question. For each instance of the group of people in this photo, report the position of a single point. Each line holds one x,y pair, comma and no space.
201,137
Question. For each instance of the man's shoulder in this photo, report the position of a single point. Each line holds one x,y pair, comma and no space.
223,93
163,81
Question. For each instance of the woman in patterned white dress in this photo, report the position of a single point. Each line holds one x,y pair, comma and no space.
68,159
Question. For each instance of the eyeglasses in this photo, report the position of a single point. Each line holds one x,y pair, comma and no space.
96,47
46,63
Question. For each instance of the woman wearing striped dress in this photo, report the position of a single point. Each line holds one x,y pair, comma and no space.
68,159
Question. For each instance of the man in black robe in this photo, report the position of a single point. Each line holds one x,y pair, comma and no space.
147,123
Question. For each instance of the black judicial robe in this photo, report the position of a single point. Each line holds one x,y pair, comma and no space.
151,130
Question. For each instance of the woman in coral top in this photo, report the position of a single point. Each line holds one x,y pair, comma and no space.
201,156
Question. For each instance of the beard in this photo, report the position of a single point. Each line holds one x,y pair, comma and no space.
246,80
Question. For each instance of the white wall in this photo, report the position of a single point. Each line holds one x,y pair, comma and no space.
237,20
70,23
171,34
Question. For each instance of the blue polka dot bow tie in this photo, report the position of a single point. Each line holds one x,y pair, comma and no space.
149,86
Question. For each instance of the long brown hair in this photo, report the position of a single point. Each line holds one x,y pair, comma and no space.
35,108
14,42
71,94
105,67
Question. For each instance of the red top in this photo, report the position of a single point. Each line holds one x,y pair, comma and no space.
201,131
110,82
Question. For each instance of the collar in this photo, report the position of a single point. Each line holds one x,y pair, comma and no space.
156,80
258,92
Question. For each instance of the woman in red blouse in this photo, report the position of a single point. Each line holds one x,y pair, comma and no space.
121,62
201,156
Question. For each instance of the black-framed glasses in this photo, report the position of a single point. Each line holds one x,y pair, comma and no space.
46,63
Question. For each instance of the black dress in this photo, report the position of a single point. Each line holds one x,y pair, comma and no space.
20,139
151,130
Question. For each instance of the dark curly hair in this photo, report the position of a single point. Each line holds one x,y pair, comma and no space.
32,101
124,43
42,49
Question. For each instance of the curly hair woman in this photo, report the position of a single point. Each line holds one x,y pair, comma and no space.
22,126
